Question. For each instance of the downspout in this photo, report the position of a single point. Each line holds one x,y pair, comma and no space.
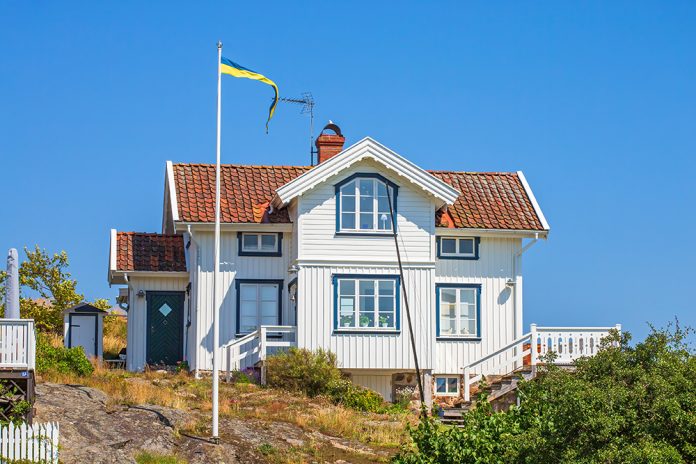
516,284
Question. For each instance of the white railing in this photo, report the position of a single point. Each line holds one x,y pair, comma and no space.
29,443
568,344
255,346
17,344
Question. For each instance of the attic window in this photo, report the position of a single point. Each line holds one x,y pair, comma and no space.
362,204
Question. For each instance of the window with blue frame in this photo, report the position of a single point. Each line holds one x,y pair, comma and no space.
362,204
366,303
458,308
259,244
458,247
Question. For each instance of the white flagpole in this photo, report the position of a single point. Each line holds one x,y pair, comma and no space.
216,272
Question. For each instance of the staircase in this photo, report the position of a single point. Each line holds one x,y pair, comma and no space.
500,372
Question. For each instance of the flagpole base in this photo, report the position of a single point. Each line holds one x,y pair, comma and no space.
215,440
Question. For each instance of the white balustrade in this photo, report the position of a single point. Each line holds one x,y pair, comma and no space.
255,346
567,343
17,344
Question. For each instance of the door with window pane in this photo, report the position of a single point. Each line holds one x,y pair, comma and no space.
259,304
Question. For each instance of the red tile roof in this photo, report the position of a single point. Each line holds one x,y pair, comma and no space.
137,251
244,195
487,200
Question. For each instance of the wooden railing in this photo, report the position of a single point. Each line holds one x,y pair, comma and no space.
255,346
568,344
17,344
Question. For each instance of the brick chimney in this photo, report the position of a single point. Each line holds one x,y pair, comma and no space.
329,145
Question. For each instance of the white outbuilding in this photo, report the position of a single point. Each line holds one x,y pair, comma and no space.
83,325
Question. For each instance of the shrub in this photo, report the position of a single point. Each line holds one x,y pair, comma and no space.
626,404
61,359
302,370
346,393
315,373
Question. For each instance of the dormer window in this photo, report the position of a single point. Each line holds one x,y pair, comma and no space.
362,204
259,244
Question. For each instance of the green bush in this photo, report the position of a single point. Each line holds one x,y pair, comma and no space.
315,373
628,403
302,370
353,396
61,359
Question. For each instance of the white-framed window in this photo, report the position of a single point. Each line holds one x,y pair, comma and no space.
254,243
459,310
363,205
458,247
258,304
447,385
366,303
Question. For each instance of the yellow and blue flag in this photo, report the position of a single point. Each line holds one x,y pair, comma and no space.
233,69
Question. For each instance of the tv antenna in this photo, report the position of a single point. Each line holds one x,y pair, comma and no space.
307,102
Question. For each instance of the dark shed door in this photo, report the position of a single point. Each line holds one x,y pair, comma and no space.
165,327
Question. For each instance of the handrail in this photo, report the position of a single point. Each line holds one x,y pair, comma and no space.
500,351
569,344
260,350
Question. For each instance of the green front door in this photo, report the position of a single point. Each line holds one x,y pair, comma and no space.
165,327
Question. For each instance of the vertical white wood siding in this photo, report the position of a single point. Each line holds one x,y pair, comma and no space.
491,270
317,227
380,382
137,314
232,267
366,351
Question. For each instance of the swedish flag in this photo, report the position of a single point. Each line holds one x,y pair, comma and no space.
233,69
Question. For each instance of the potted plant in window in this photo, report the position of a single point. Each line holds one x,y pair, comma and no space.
364,321
383,321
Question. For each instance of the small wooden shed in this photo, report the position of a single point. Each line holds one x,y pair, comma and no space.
83,325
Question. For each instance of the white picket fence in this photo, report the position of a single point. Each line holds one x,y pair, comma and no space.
32,443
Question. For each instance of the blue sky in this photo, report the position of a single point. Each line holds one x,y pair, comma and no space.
594,101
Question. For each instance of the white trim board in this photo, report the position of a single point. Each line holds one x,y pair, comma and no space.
532,198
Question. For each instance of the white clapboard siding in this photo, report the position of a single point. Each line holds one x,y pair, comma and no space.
317,228
232,267
137,314
365,351
32,443
498,318
379,382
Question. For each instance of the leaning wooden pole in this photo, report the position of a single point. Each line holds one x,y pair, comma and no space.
424,412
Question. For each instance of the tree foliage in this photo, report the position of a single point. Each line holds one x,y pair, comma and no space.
47,289
626,404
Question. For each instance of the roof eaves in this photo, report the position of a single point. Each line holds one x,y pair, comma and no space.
534,202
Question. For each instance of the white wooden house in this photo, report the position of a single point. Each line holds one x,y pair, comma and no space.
308,258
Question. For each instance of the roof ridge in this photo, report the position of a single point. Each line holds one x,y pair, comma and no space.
153,234
254,166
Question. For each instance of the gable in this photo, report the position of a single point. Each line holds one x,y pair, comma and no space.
367,149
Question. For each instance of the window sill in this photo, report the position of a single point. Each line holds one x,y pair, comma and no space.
341,331
463,258
274,254
364,234
458,339
446,394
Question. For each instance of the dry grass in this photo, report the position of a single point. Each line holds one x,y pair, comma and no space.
182,391
114,338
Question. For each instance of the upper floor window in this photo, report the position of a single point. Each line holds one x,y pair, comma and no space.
458,247
366,303
458,308
259,244
362,204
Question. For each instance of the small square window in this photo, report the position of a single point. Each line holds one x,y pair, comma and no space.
256,244
458,248
447,386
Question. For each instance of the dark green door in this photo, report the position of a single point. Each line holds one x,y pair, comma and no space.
165,327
